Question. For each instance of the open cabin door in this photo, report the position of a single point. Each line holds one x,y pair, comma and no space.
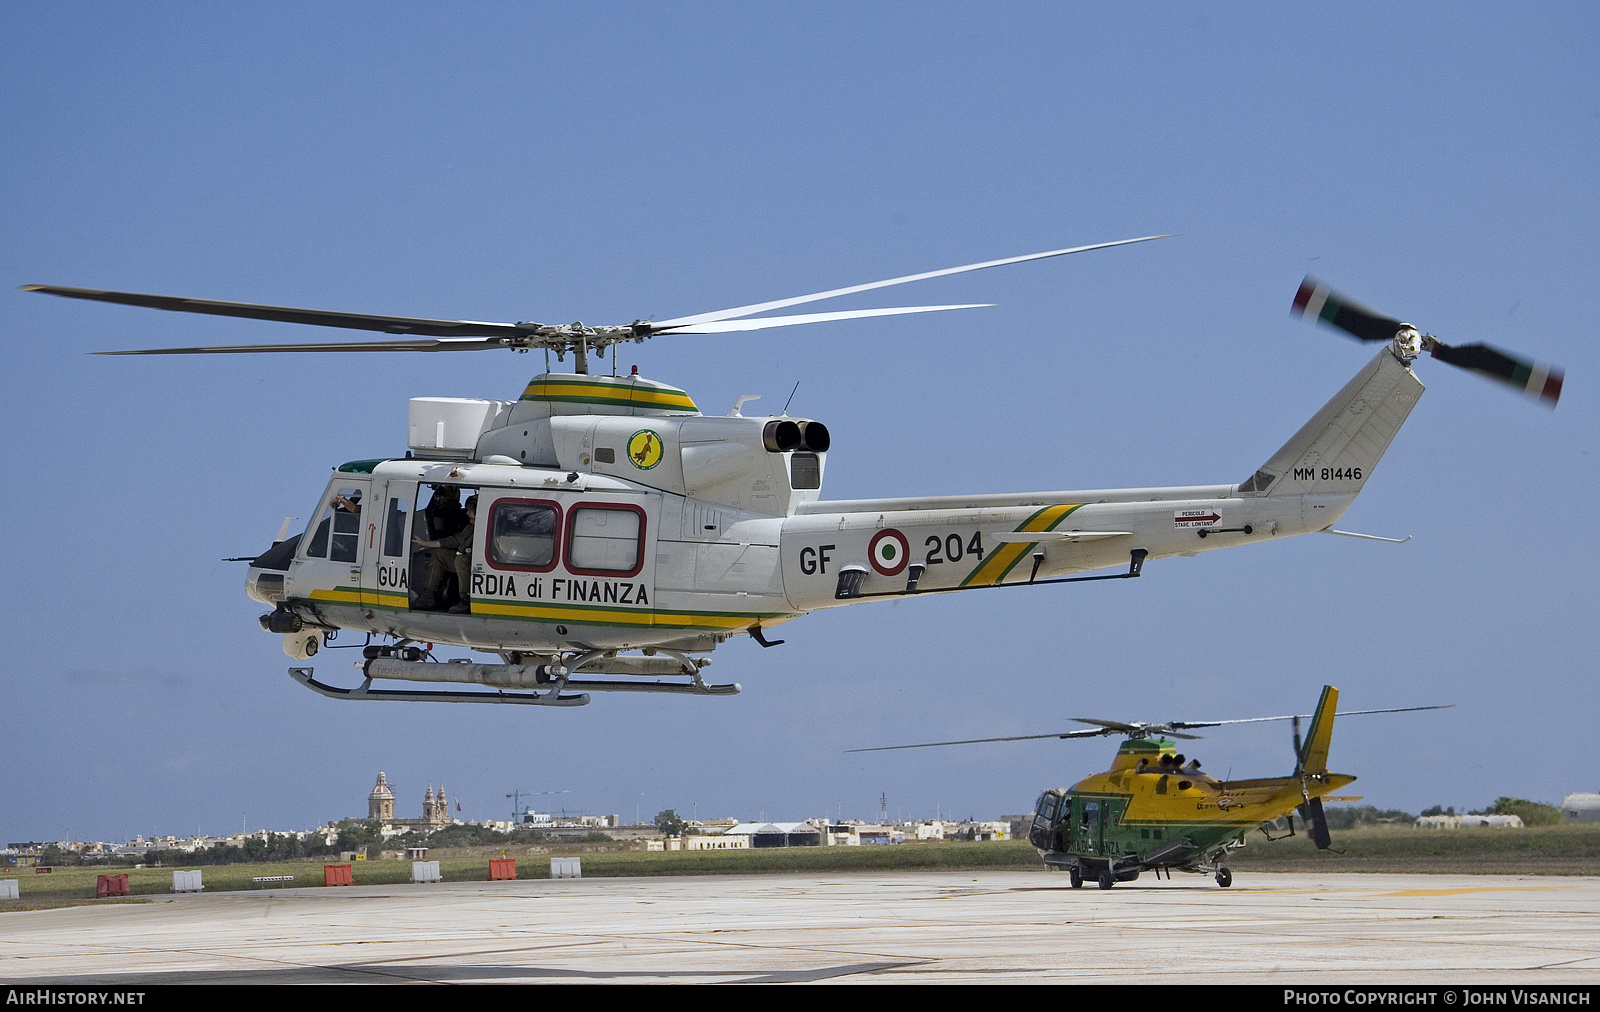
1087,826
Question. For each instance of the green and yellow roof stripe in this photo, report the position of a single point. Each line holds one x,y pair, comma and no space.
613,391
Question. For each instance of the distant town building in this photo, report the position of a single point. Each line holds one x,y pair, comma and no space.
983,832
778,834
1469,821
719,842
1581,808
855,834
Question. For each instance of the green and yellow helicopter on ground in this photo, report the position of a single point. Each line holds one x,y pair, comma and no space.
1155,811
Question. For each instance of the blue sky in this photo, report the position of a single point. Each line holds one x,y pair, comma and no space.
605,163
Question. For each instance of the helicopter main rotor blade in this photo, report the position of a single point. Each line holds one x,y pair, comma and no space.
289,314
762,307
458,335
438,344
733,326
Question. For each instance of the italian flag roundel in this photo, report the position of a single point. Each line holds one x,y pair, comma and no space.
889,551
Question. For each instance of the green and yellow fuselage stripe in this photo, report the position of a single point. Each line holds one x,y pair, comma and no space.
570,614
601,390
999,562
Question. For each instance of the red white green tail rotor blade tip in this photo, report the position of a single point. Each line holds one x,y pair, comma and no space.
1316,301
1535,379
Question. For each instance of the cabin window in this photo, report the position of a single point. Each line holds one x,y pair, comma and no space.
394,528
805,470
606,540
338,527
1091,817
523,534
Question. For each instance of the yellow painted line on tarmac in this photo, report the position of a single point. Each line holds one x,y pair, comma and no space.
1475,889
1253,891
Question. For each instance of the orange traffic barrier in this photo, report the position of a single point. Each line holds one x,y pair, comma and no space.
338,875
502,868
111,885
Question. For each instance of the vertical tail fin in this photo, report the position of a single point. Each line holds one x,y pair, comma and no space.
1313,757
1336,451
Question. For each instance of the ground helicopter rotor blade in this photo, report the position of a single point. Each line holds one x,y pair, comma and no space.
1532,378
762,307
1135,730
979,741
1108,727
1300,716
1317,301
289,314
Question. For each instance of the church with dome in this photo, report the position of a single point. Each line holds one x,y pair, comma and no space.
435,808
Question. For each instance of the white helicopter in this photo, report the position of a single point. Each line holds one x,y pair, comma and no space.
612,517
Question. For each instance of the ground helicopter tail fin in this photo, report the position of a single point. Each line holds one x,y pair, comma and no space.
1336,451
1313,756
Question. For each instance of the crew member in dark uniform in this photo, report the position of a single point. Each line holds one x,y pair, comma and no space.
444,512
452,554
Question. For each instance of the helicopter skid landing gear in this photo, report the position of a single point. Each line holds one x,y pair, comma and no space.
554,678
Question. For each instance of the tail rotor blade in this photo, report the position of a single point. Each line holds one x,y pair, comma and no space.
1316,823
1532,378
1316,301
1299,749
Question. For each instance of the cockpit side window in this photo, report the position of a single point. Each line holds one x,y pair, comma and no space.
337,533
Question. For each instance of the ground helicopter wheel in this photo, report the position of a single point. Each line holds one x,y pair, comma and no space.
1224,877
1106,879
1075,877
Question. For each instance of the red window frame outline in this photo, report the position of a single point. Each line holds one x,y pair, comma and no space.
615,574
488,542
